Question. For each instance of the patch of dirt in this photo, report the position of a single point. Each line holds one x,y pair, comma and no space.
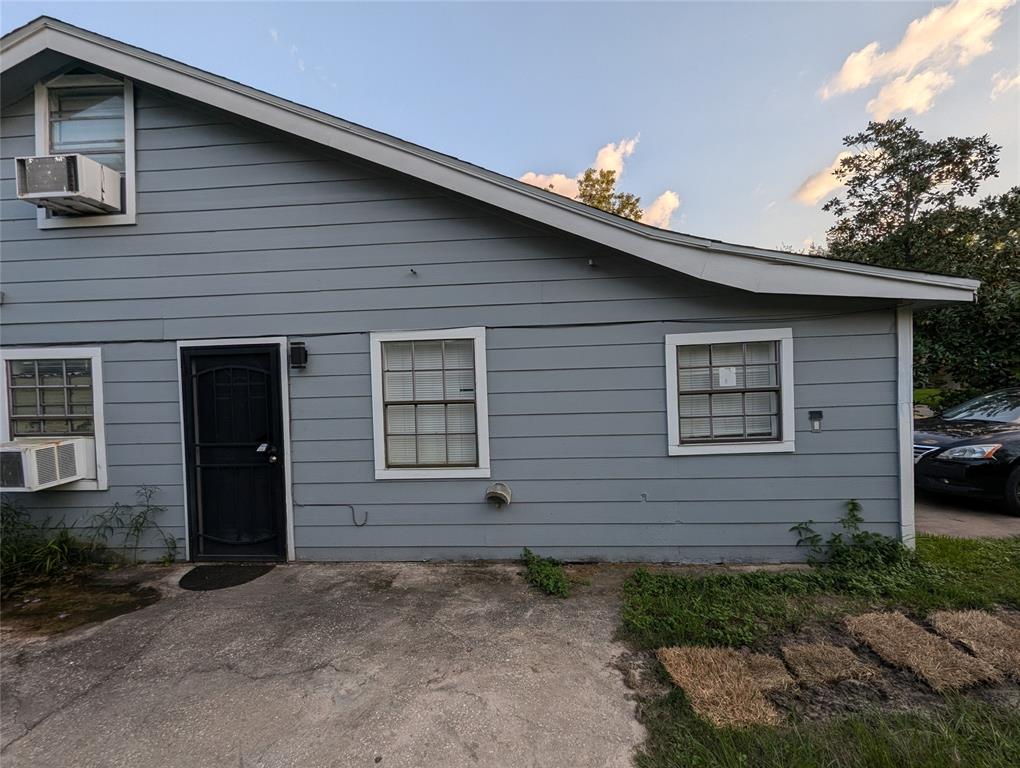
83,598
818,663
888,689
643,675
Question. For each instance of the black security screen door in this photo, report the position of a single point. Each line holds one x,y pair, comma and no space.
233,433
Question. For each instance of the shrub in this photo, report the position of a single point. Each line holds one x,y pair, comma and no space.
545,574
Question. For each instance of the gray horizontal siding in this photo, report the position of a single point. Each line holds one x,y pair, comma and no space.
242,232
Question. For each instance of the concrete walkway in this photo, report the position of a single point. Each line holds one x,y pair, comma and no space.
964,518
332,665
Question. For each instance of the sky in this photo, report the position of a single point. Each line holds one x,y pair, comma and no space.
723,116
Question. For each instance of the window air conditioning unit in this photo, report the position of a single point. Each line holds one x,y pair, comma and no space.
68,184
36,464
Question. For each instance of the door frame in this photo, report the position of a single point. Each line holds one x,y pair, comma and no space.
281,342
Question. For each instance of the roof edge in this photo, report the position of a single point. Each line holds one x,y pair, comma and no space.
749,268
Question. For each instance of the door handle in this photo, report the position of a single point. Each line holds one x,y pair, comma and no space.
270,451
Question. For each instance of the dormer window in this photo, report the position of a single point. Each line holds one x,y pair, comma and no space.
89,114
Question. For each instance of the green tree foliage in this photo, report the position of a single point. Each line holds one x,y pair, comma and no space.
904,208
598,189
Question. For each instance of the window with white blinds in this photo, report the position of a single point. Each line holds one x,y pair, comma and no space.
429,394
730,391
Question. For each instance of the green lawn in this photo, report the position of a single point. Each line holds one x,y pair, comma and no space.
964,733
664,608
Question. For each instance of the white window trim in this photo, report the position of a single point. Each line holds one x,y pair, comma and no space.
786,445
382,472
42,147
101,483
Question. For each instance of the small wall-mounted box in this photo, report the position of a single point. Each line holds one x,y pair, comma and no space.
71,185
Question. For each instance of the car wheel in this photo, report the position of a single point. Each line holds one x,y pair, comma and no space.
1013,492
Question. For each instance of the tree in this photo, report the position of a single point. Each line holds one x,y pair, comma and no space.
904,208
597,188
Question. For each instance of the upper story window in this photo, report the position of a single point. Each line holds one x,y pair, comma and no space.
88,120
88,114
429,404
730,392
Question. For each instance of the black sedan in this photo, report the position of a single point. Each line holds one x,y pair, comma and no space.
972,449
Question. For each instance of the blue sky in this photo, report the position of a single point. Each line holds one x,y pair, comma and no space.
723,97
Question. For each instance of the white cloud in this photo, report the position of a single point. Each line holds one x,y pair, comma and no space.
918,67
1002,82
559,183
611,157
821,184
661,210
909,94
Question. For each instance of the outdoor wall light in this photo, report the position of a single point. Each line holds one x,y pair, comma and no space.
298,355
816,420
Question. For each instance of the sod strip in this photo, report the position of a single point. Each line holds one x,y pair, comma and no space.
820,663
725,687
984,635
902,643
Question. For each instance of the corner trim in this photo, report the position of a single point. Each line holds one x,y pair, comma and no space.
905,420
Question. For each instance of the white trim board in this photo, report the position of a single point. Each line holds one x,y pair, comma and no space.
382,472
288,475
753,269
787,427
905,419
95,354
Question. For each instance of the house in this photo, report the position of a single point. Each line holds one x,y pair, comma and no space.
321,342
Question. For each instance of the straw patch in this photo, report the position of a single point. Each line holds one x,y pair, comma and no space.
902,643
818,663
726,687
985,636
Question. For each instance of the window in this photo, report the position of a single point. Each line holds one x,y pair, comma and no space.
730,392
55,392
50,397
429,404
89,114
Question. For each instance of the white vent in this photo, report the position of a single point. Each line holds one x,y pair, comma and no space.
34,465
68,184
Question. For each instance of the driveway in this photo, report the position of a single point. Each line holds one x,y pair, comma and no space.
964,518
333,665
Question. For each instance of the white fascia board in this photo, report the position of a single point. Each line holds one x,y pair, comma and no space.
743,267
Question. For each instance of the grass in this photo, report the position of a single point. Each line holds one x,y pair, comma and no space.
963,732
862,573
545,574
666,609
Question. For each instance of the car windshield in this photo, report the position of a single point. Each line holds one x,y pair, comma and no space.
1002,406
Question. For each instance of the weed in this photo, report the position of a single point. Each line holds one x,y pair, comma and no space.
41,550
545,574
133,521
